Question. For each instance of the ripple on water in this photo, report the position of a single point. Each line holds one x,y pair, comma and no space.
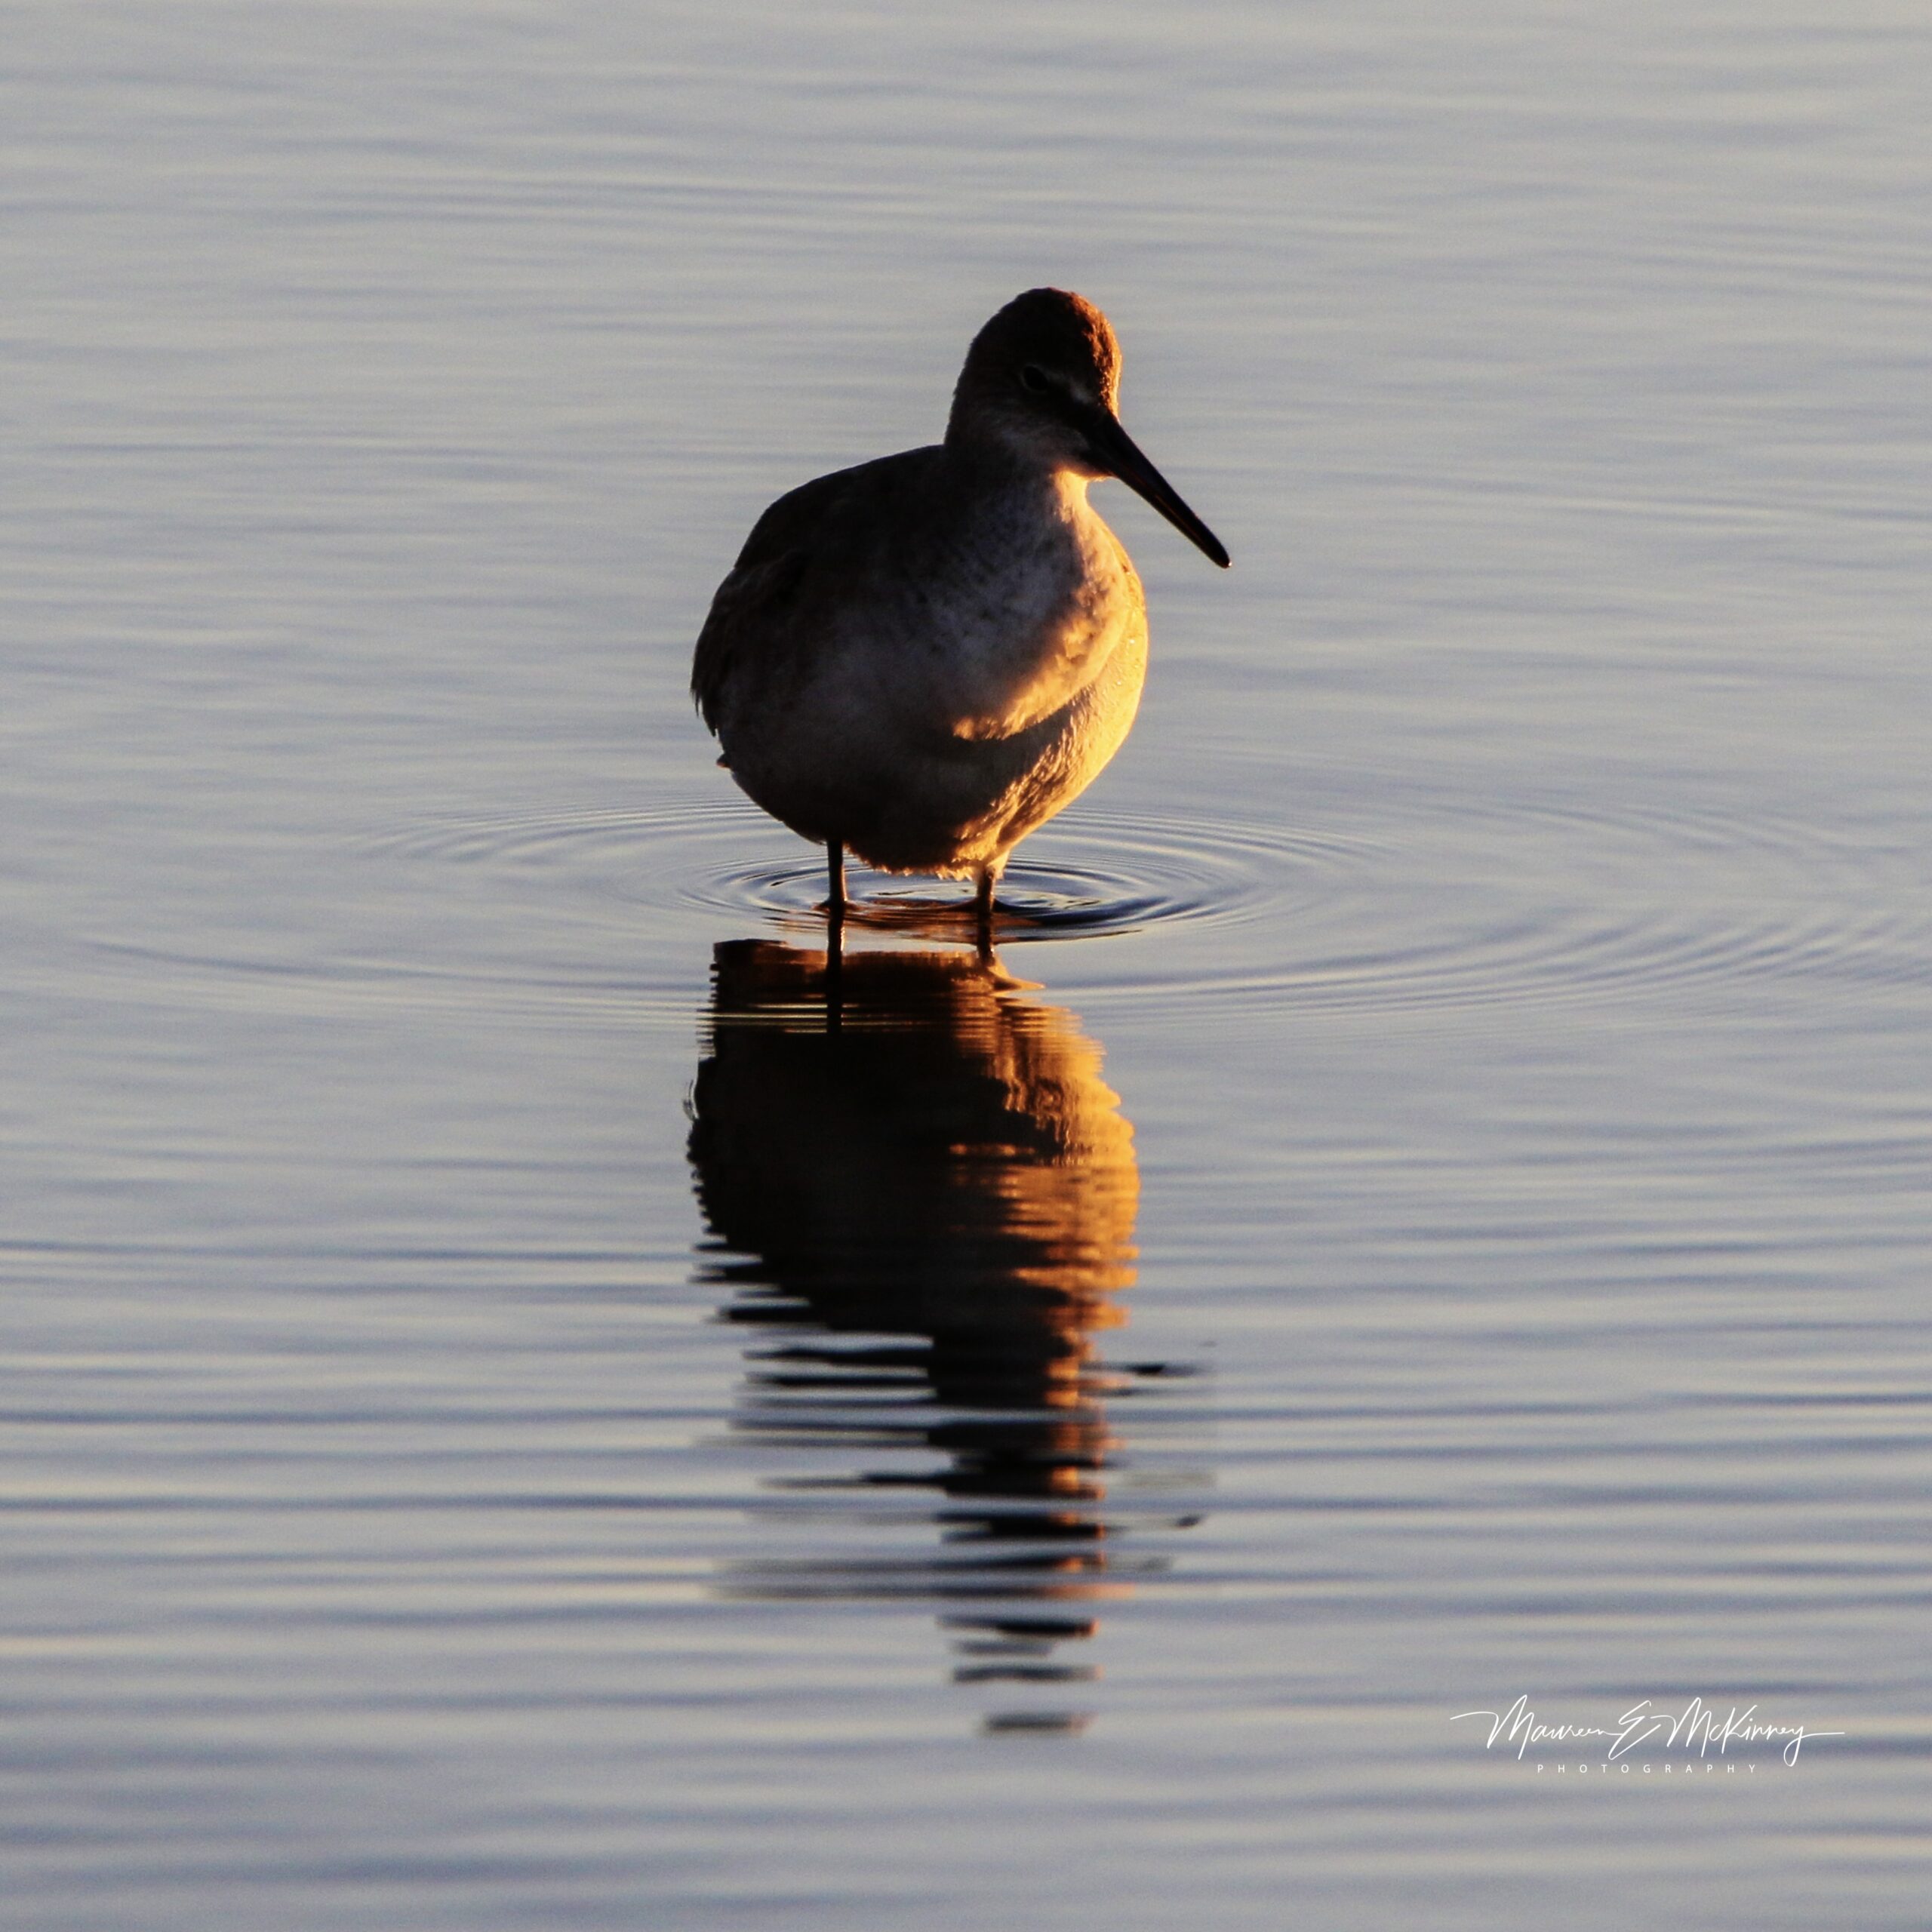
1111,871
1457,904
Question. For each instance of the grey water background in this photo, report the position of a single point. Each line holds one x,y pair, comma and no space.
514,1418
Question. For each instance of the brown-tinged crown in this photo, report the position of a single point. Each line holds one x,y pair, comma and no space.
1048,334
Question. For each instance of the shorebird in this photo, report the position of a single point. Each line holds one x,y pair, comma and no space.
920,660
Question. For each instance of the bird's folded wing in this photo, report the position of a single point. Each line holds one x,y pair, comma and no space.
747,615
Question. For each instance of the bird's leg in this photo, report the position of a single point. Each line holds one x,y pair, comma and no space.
982,912
834,873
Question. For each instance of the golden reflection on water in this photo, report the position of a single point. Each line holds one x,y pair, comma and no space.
923,1195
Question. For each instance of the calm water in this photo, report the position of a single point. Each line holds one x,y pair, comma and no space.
531,1402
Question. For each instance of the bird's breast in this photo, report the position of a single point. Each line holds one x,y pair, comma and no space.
1020,624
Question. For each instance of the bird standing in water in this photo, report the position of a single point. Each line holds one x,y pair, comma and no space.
920,660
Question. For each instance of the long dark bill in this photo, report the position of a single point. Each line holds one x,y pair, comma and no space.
1115,449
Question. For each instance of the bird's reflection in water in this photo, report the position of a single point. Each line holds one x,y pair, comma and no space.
922,1194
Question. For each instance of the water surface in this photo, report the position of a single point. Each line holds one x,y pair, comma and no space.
534,1399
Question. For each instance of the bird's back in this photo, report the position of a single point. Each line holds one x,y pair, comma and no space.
775,614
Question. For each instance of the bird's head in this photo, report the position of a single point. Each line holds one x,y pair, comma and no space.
1041,384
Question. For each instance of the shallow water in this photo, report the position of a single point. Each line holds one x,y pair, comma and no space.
531,1402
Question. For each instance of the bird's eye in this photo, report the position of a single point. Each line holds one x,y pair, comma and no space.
1034,378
